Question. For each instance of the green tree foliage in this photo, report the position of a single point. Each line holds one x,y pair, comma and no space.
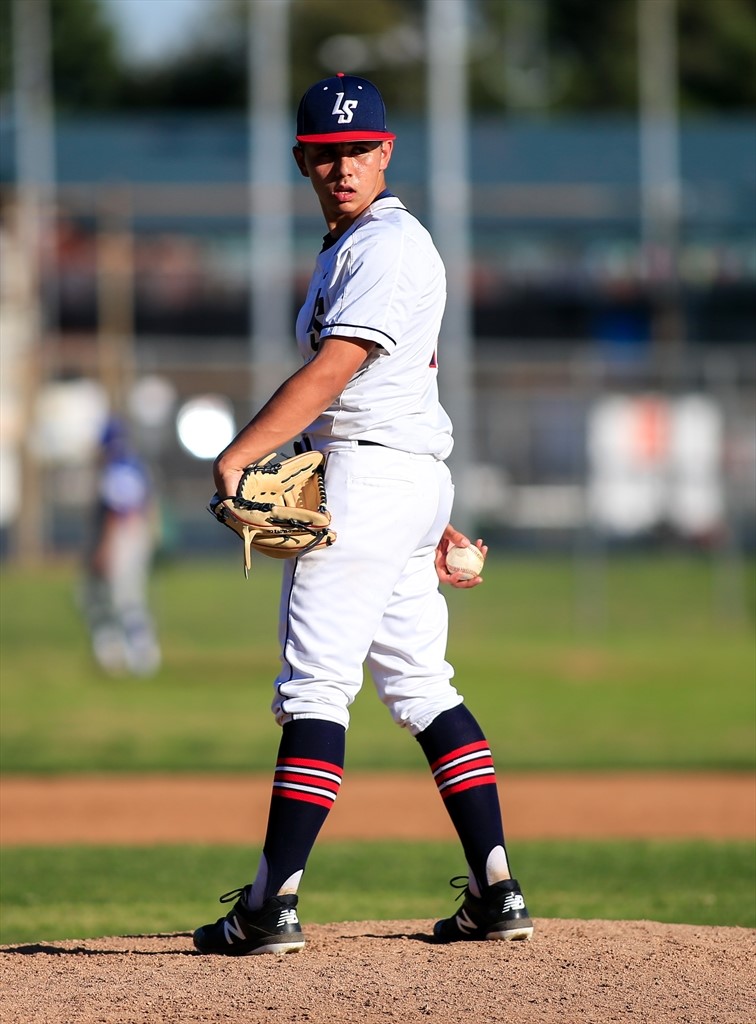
589,53
593,54
210,77
379,39
718,54
87,67
6,48
579,55
87,63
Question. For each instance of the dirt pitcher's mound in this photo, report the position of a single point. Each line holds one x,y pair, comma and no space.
387,972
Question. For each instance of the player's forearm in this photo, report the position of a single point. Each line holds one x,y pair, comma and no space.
299,401
296,403
284,415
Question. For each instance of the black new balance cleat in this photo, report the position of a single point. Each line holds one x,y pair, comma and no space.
274,928
499,913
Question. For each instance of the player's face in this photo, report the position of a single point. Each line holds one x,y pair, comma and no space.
346,176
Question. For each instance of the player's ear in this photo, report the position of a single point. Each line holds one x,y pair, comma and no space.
299,156
387,148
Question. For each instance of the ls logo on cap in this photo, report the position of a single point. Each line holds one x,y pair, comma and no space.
345,110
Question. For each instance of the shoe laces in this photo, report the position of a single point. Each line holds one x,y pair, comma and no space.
233,894
459,882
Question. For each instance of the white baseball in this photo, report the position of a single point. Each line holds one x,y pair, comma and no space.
469,561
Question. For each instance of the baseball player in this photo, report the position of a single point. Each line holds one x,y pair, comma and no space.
366,396
118,560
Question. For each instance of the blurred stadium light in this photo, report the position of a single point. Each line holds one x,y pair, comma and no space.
69,419
205,425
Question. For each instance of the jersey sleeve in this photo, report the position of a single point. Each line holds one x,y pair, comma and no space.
374,287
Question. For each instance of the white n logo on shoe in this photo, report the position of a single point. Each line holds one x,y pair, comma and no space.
231,927
513,901
464,922
287,917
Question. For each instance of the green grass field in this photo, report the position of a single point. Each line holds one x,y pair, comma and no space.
646,673
631,665
76,892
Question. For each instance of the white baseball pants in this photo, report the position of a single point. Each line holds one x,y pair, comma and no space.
373,597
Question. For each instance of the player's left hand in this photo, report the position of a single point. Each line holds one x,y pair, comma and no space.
453,538
226,478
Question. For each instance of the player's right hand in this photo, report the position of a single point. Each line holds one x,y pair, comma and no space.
452,537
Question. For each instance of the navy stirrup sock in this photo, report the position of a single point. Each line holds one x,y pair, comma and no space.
463,769
305,785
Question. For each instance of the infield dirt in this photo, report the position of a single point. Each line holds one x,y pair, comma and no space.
145,809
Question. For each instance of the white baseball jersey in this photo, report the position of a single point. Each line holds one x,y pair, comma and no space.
382,281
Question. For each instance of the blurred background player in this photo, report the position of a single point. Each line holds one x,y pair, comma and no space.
118,560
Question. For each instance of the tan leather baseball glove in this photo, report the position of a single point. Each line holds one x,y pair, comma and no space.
279,508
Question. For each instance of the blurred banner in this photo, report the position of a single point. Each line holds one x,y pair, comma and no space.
656,462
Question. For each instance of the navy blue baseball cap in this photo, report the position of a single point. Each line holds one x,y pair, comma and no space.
342,109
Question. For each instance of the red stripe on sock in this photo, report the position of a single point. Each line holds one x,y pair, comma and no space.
481,780
306,762
307,780
466,766
460,752
308,798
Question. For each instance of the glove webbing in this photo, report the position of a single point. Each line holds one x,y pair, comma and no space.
250,532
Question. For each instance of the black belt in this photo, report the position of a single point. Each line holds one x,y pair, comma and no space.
306,446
